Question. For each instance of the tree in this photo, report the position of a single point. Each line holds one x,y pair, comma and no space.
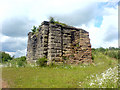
5,57
101,49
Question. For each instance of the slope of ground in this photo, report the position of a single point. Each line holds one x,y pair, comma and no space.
59,76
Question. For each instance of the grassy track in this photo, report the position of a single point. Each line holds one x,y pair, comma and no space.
56,77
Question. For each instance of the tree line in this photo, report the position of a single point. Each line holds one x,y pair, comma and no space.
111,52
21,61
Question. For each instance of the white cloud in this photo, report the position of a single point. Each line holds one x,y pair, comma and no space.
40,10
13,44
3,38
80,15
107,34
19,53
11,53
113,43
17,26
96,35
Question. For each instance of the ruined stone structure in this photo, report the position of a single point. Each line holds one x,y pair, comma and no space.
59,44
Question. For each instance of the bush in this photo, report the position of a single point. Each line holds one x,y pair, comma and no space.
53,64
92,57
20,62
112,54
41,62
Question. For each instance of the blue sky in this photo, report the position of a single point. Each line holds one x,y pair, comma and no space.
99,18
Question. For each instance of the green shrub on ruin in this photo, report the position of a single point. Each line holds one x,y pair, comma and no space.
63,24
34,29
41,62
52,20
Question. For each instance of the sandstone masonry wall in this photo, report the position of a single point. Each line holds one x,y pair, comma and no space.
59,44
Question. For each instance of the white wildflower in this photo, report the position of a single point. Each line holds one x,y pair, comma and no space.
91,84
110,75
79,85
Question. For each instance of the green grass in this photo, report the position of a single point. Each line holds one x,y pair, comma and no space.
56,77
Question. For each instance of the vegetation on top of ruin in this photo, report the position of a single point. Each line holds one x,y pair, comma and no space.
51,20
34,29
63,24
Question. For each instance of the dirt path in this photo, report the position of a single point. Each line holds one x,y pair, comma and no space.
4,84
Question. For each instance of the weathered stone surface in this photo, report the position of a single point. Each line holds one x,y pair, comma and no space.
58,43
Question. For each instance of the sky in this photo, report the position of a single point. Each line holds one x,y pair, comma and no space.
17,17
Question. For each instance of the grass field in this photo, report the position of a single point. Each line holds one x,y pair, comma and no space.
61,76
